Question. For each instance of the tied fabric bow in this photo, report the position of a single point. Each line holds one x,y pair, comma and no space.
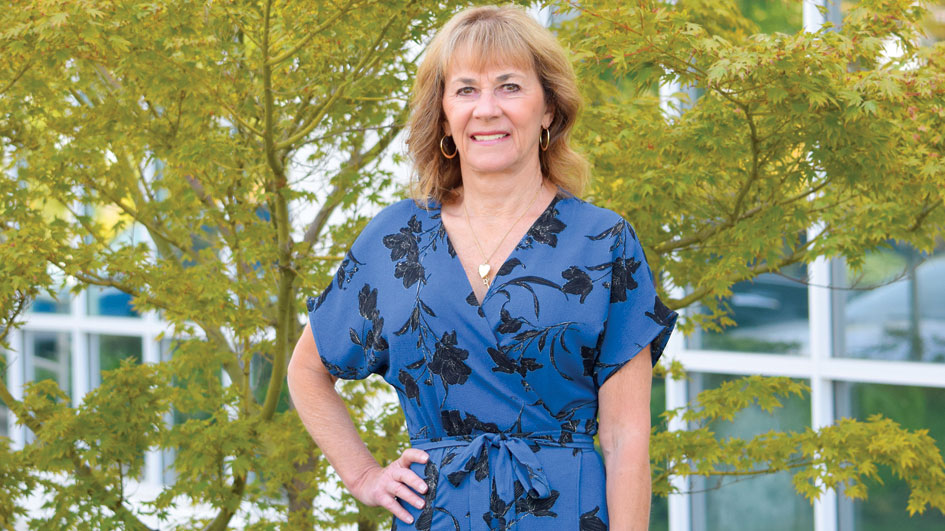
514,455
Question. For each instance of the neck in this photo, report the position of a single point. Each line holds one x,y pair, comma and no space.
500,195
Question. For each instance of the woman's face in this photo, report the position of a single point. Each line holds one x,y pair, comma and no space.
495,117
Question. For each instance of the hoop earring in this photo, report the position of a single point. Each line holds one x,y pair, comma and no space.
544,139
443,150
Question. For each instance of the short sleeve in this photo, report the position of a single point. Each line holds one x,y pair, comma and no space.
346,323
636,317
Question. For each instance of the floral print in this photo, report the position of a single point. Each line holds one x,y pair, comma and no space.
405,252
502,394
448,361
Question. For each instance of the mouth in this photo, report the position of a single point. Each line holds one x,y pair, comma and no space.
488,137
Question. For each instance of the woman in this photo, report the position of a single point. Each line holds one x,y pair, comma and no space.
499,306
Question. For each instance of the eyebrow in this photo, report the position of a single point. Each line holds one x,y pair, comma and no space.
471,81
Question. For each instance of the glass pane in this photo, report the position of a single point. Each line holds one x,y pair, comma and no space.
43,303
934,23
4,413
893,308
773,15
659,508
770,313
913,408
111,350
766,501
260,372
110,302
50,358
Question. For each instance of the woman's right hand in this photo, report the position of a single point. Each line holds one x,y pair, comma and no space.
382,486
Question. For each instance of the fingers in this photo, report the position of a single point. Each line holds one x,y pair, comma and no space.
405,480
400,480
413,455
407,477
403,472
390,503
404,493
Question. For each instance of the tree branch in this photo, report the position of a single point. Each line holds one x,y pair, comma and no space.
26,67
232,368
162,240
755,170
280,219
355,163
305,40
367,61
82,470
710,230
922,215
799,254
233,114
222,519
268,102
9,317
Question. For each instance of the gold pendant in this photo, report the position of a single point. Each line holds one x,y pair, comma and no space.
484,271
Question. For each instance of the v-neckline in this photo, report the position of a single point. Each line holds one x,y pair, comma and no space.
455,258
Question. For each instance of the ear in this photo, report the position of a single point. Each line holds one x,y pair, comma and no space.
548,117
446,128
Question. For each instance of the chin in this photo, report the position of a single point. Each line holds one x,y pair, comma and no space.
492,166
494,171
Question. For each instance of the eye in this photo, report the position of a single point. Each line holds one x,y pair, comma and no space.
465,91
510,87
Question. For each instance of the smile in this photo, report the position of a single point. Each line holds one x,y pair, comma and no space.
484,138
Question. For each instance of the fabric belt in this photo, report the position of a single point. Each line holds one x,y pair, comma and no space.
515,460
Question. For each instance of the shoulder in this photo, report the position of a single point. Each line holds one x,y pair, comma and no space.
391,218
594,213
595,221
397,212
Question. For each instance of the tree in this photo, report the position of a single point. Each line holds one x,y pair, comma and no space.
217,126
231,132
791,131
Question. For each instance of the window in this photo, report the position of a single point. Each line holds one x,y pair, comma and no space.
770,312
110,302
893,309
913,408
4,412
48,358
659,508
108,351
764,502
43,303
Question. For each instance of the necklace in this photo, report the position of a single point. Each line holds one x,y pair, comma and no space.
484,267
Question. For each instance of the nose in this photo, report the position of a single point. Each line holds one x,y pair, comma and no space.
486,106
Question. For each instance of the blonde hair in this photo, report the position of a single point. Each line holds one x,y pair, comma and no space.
496,35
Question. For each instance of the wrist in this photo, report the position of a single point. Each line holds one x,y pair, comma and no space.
355,483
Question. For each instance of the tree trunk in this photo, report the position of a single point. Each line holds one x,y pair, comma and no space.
301,503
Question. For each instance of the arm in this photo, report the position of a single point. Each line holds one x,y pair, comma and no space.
326,418
624,410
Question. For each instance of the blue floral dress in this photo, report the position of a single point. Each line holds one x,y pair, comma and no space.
502,395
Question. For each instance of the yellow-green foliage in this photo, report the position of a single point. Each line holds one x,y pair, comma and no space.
231,131
790,130
844,454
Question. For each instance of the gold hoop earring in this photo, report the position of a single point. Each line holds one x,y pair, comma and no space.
544,139
443,150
